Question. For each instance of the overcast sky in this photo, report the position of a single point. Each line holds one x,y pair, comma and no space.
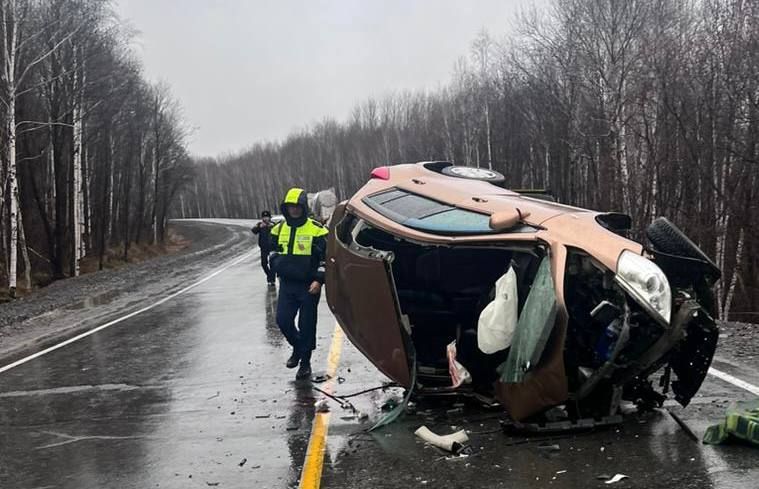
247,71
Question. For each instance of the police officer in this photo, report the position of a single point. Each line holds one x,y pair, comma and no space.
263,230
299,245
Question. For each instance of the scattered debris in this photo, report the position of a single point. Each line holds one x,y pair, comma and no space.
320,379
263,416
213,396
242,462
341,400
454,443
741,423
566,426
459,374
341,380
389,404
212,484
322,406
549,447
616,478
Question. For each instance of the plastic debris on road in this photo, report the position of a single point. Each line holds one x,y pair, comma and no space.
616,478
321,406
453,443
741,423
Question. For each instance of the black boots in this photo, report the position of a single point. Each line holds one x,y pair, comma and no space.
292,362
304,359
304,371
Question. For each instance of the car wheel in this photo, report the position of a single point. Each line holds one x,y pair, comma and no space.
667,238
470,173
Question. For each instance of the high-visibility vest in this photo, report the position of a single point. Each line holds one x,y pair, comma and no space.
302,242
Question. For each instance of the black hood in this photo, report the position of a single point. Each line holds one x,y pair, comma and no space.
298,197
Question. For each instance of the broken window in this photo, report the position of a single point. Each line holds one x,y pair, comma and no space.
533,327
428,215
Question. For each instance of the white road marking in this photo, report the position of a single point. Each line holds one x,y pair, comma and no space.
734,380
124,318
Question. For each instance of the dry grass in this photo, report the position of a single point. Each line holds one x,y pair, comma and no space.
113,259
114,256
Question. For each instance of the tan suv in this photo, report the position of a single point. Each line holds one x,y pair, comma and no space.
414,258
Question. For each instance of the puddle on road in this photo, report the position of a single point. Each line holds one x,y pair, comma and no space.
96,300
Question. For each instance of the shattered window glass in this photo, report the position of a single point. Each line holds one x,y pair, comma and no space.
533,327
386,197
455,220
414,206
427,214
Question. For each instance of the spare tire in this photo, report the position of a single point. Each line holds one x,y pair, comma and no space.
667,238
471,173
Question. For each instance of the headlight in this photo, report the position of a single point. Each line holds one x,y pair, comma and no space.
643,280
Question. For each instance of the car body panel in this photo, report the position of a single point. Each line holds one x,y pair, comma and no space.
379,335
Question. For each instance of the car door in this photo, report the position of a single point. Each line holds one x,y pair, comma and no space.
361,294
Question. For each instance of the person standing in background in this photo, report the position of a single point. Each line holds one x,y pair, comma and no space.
263,230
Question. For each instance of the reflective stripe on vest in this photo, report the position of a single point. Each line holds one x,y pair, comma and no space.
304,238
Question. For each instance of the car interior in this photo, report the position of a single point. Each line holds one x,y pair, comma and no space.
443,290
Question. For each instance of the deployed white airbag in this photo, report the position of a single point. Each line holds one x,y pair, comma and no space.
498,320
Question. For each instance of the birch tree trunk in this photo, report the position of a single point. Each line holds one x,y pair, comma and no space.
13,183
725,312
77,193
24,251
10,35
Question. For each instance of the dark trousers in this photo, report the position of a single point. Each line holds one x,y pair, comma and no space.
270,276
293,300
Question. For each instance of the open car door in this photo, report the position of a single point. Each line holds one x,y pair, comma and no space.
361,294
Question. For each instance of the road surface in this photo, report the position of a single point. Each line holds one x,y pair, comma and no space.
192,392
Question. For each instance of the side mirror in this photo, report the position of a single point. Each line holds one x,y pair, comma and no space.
507,219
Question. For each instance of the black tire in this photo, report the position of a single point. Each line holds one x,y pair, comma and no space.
667,238
470,173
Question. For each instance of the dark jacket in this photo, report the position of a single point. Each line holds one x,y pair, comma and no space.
293,260
263,231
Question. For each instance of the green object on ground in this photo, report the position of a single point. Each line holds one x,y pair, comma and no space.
741,422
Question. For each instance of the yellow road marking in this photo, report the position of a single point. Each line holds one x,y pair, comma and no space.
311,477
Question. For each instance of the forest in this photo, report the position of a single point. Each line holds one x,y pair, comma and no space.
648,107
92,153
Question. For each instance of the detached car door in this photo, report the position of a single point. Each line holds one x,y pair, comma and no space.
361,294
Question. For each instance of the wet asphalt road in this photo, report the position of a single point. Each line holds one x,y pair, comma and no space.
193,393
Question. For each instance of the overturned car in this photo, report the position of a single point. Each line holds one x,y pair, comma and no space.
432,265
